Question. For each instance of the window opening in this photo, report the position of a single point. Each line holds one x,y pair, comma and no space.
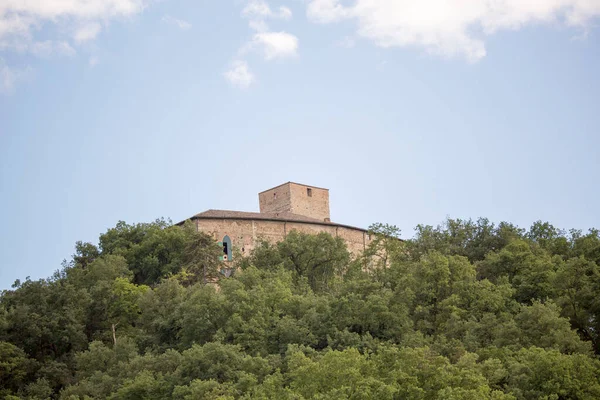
309,192
227,248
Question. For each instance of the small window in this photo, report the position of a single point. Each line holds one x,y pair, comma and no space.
309,192
275,195
227,249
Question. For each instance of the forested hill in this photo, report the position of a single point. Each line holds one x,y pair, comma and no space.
466,310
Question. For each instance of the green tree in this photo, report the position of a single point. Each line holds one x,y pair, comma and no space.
158,250
578,284
318,258
15,368
530,272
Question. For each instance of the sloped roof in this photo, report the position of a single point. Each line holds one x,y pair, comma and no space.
226,214
294,183
281,217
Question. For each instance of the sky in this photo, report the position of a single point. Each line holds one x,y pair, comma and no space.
409,111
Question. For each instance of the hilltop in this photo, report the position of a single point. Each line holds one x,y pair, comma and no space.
464,310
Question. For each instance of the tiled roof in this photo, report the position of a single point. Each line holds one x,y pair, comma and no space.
226,214
283,216
294,183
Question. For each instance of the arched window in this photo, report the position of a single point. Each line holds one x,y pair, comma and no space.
226,248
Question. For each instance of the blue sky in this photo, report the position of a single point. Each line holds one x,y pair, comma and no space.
408,111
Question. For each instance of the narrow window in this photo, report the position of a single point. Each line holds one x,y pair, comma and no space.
309,192
226,249
275,195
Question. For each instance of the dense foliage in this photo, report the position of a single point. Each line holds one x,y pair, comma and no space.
465,310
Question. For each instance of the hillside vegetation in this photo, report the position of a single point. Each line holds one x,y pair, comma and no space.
466,310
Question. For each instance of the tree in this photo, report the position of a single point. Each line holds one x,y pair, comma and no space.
578,283
473,240
15,368
549,238
530,272
468,310
318,258
158,250
385,245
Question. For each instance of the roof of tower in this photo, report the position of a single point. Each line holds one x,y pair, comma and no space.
295,183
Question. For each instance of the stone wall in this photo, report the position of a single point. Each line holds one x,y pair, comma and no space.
315,206
246,234
298,199
275,200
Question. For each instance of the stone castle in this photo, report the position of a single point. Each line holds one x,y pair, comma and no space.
287,207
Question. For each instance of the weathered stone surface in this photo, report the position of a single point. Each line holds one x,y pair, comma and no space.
285,208
297,199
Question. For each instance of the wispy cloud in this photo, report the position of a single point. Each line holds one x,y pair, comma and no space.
42,49
272,45
10,76
181,24
449,27
49,47
239,74
77,22
275,44
21,18
87,32
260,9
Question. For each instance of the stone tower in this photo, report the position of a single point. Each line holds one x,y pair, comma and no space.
295,198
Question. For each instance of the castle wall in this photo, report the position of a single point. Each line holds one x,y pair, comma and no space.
297,199
314,206
356,240
275,200
246,234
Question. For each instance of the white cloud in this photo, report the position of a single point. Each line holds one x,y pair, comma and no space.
258,11
23,22
49,47
181,24
326,11
449,27
93,61
276,44
87,32
45,48
7,78
239,74
284,13
23,18
10,76
261,9
273,45
258,25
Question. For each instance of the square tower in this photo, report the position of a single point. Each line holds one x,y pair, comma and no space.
309,201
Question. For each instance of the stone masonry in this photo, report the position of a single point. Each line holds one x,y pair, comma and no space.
287,207
294,198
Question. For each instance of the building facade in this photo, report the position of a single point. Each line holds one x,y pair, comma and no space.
284,208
